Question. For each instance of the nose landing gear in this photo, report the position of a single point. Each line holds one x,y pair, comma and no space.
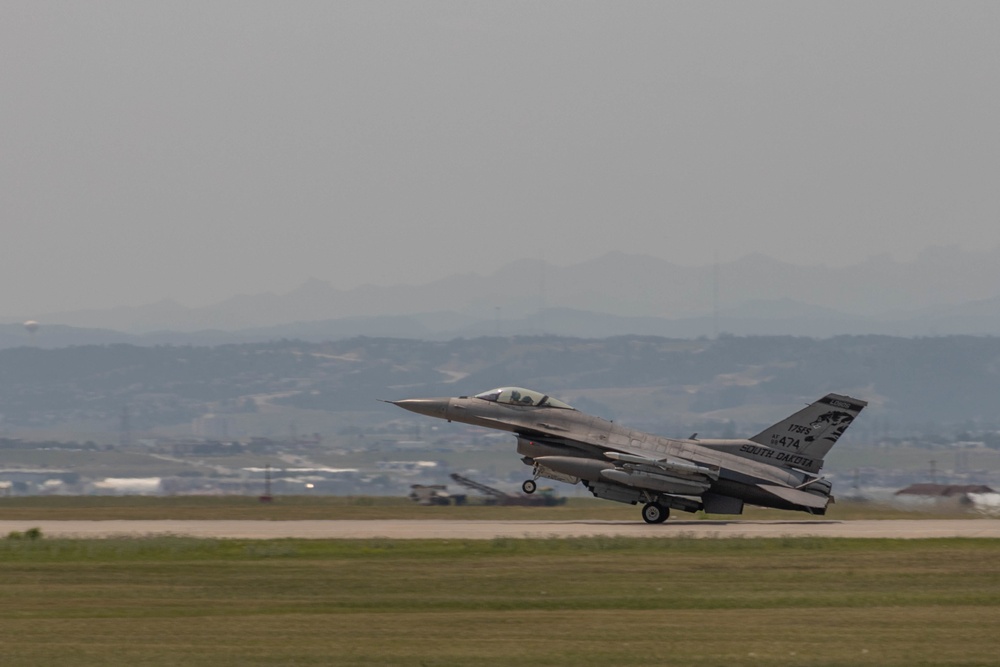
529,486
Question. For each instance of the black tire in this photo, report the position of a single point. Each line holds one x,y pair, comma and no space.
529,486
655,513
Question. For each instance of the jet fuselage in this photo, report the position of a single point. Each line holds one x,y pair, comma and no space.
627,465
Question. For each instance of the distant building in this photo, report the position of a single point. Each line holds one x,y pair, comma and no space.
35,476
960,491
128,486
210,426
407,467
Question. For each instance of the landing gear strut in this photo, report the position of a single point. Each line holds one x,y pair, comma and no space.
655,513
529,486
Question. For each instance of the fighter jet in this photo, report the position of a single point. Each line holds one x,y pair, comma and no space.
779,467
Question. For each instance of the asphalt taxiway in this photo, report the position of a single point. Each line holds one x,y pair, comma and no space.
485,530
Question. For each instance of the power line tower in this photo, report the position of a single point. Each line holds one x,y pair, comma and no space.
125,428
267,497
715,298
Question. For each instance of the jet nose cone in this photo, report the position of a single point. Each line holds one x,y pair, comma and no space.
432,407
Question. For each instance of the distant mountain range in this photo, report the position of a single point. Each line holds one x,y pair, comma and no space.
944,291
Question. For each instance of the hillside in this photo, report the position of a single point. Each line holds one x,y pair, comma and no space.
660,384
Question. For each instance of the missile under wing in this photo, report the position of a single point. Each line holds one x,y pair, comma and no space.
779,467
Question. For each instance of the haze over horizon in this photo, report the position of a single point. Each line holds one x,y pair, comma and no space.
311,282
196,152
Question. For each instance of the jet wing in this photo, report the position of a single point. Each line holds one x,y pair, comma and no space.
545,431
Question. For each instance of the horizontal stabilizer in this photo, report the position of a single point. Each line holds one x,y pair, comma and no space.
796,496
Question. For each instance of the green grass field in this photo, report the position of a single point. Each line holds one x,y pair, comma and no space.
595,601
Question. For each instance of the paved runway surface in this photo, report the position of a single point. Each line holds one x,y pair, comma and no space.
484,530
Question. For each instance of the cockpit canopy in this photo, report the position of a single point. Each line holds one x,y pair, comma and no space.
521,396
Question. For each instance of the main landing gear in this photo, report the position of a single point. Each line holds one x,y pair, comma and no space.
652,512
655,513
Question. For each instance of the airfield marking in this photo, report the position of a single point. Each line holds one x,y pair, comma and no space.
485,530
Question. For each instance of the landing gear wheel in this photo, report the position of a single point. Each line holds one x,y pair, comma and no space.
529,486
655,513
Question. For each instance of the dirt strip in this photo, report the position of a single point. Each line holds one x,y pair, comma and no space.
485,530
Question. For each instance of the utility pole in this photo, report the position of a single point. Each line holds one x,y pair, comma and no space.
715,298
541,294
125,429
266,498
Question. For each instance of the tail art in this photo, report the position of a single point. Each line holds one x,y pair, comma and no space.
810,433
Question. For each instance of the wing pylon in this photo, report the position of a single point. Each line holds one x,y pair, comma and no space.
667,475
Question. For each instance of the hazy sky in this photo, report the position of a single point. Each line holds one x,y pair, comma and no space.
195,150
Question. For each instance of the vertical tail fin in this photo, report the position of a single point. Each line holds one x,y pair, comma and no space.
806,437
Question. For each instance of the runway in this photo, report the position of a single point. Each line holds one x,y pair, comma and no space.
486,530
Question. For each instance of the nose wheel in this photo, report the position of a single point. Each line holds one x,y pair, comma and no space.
529,486
655,513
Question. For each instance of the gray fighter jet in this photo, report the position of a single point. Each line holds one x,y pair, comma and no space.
778,467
